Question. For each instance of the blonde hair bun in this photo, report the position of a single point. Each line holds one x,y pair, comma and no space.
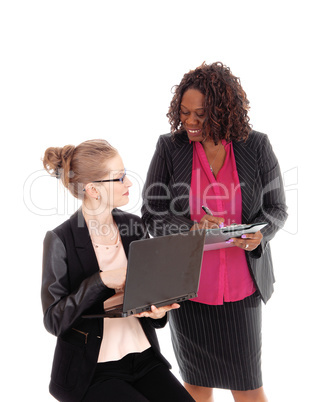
77,166
57,159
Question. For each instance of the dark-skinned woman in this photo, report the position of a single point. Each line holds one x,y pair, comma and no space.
212,157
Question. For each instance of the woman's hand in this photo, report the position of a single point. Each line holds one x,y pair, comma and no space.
157,313
247,242
208,222
115,278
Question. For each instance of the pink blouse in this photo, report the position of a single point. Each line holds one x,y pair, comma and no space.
225,276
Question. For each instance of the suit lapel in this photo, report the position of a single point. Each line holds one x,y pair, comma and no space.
182,159
84,247
245,159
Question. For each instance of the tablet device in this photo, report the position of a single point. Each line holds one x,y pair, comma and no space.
216,238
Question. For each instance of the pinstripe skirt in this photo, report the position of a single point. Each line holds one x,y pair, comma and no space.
219,346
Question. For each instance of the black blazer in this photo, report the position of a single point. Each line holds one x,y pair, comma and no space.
166,195
71,286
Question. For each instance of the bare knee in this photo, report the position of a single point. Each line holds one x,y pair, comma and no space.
200,394
255,395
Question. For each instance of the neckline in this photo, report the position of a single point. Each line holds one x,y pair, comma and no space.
205,163
107,246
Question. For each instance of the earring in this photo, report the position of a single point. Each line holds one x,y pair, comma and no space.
98,197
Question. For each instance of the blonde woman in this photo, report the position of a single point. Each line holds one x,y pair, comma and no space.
84,264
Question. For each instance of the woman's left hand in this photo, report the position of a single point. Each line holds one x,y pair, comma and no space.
157,313
247,242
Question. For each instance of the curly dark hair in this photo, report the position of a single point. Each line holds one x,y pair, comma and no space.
226,104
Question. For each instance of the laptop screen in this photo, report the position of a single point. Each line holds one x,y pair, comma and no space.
162,269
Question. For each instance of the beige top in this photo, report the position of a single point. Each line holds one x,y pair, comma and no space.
121,335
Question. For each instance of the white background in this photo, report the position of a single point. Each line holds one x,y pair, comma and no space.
78,70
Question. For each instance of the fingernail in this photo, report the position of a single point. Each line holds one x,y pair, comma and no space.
221,225
229,241
243,236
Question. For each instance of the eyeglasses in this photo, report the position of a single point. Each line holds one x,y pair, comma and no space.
121,179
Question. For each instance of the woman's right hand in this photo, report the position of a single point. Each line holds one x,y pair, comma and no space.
115,278
208,222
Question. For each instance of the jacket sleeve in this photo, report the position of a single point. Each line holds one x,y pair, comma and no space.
158,202
61,306
156,323
273,210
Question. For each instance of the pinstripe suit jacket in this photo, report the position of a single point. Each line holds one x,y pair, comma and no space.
166,195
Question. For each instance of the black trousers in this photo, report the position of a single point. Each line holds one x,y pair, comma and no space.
137,377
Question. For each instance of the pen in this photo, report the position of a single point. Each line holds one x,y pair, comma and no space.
209,212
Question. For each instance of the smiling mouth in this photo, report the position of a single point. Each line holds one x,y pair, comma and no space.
194,132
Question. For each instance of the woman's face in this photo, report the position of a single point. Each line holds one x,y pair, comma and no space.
192,114
115,194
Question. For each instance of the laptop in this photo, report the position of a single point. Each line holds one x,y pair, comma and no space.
160,271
